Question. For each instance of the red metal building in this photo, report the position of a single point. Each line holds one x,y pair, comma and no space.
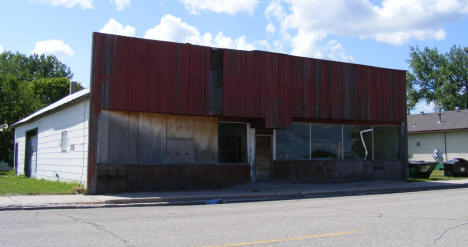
167,115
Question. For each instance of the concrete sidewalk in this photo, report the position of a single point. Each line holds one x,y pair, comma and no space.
241,193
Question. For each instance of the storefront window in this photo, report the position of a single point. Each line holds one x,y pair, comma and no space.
325,141
354,147
387,142
293,143
304,141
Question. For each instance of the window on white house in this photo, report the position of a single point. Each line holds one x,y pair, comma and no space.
63,143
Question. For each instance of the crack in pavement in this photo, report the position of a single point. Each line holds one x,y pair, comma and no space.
447,230
36,214
99,227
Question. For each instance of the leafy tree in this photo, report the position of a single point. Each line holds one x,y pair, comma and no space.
438,78
33,67
27,83
50,90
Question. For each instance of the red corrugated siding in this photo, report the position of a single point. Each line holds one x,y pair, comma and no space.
153,76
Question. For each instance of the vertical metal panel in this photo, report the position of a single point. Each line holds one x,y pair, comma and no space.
154,76
132,74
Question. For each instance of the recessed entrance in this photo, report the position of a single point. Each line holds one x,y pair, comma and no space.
263,157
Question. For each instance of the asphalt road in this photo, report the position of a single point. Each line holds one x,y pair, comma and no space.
429,218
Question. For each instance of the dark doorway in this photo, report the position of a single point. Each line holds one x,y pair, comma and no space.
263,157
30,164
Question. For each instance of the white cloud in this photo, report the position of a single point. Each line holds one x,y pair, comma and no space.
172,28
270,28
1,49
114,27
423,106
121,4
220,6
390,21
53,47
335,51
84,4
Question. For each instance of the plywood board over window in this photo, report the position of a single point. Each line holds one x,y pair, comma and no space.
151,139
180,139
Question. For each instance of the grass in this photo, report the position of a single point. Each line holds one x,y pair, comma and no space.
435,176
21,185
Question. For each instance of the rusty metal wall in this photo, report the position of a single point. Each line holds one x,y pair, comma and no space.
150,76
154,76
280,88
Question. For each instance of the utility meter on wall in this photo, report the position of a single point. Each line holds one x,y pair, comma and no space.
437,155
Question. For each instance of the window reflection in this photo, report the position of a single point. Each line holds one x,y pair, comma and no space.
293,143
304,141
325,141
353,146
387,142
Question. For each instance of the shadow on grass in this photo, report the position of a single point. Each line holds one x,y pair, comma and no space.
436,175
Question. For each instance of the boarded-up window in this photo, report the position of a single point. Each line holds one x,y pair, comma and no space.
63,142
232,142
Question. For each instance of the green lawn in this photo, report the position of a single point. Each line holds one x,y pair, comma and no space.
435,175
20,185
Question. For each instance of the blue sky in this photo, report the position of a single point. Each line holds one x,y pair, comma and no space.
370,32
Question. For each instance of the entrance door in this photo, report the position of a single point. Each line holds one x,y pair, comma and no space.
263,164
30,166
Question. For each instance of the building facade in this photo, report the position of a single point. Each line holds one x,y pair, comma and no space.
52,143
445,133
165,115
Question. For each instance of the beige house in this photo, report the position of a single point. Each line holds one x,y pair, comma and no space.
445,132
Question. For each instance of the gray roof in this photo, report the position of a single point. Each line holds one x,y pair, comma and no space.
428,122
64,101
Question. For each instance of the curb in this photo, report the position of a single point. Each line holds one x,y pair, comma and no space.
201,200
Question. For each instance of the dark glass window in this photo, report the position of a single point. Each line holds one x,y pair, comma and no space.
387,142
232,142
352,142
293,143
325,141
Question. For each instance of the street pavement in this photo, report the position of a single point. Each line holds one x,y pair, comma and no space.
424,218
242,193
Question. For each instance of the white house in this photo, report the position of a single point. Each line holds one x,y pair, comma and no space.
446,132
52,143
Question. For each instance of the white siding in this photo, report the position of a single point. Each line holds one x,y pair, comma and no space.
457,145
427,143
69,165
